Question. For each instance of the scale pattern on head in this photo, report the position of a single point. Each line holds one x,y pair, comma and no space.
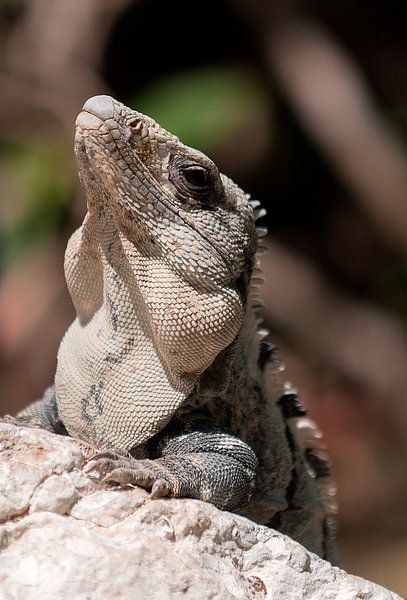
158,274
167,199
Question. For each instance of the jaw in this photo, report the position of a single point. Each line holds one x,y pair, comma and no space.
141,345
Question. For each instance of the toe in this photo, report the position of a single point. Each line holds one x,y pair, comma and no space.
160,489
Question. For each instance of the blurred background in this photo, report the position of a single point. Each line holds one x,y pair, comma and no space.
304,104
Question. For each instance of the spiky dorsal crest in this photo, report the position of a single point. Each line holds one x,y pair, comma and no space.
305,430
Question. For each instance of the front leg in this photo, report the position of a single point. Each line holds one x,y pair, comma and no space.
191,460
41,414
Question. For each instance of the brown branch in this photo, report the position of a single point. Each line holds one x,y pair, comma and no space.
333,102
53,55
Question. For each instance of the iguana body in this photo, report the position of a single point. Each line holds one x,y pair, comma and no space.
164,367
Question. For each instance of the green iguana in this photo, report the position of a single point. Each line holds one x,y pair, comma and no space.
164,370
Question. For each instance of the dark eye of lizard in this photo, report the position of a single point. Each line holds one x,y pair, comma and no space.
196,176
191,179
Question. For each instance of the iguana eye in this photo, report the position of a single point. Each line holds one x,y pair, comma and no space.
192,180
196,176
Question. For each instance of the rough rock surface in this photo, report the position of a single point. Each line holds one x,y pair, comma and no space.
64,536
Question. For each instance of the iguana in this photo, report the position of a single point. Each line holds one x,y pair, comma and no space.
165,370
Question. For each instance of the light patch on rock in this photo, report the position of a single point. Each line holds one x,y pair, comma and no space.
64,536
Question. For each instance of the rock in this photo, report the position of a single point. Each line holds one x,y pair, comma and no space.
64,536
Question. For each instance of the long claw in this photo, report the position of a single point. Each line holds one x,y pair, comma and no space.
121,475
112,454
110,467
99,467
160,489
135,476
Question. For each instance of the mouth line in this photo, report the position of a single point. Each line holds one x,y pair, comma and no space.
88,120
90,112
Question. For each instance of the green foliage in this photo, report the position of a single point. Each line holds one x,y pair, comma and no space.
40,187
204,106
9,5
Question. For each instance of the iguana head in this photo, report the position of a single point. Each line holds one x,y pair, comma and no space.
158,273
169,200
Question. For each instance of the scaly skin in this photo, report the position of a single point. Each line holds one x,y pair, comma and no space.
163,369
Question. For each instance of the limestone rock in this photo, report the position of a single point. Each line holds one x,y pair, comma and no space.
64,536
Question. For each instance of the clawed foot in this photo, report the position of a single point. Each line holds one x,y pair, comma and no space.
111,467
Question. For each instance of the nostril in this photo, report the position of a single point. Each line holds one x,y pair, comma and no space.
136,125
